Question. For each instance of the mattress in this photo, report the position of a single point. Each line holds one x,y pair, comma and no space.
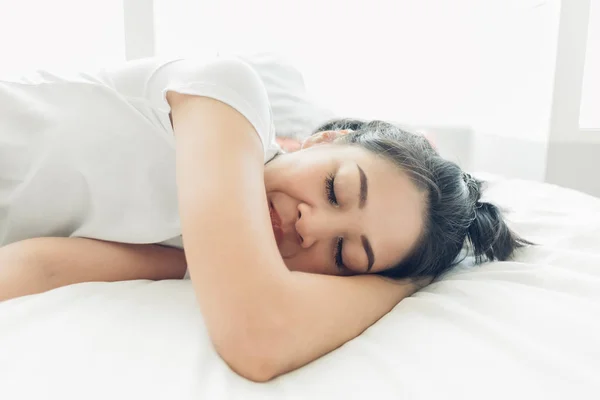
525,329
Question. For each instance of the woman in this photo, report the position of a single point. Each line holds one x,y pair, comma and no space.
101,175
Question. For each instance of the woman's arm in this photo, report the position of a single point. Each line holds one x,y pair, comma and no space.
263,319
325,312
38,265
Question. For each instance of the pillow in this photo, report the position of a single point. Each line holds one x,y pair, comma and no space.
295,114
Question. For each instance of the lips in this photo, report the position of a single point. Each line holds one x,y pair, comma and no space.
276,223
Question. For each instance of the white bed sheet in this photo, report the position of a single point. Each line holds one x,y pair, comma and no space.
527,329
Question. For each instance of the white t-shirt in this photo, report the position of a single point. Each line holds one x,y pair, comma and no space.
93,155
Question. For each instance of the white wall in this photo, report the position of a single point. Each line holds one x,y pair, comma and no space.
573,152
71,34
575,165
501,155
511,122
533,128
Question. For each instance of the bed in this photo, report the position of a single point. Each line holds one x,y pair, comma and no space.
527,329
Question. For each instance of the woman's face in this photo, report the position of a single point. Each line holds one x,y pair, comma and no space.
341,210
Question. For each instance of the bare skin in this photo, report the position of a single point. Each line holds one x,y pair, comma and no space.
266,314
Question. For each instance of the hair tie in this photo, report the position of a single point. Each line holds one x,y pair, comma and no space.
472,189
467,178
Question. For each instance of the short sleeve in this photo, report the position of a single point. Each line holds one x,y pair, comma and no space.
228,80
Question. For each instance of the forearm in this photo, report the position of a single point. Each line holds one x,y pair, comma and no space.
21,272
304,318
324,312
41,264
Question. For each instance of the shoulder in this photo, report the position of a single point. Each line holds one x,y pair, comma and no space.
230,81
227,73
225,76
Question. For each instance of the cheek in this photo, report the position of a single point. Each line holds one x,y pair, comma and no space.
280,171
310,262
294,175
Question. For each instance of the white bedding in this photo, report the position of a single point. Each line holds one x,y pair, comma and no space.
528,329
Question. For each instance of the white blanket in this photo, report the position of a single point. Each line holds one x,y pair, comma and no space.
526,329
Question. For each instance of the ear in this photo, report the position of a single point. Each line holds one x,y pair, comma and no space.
323,137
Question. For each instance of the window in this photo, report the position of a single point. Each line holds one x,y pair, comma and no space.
483,63
590,101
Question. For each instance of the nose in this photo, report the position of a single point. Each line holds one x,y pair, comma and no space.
314,224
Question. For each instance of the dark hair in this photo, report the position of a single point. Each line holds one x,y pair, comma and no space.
454,214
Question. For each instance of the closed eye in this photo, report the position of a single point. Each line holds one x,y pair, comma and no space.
339,262
330,190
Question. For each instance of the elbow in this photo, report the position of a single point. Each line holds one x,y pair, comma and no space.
256,340
257,370
251,359
255,357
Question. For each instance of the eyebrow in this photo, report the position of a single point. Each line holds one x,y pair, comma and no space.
364,187
369,251
362,200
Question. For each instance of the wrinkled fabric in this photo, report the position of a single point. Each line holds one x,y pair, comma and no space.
523,329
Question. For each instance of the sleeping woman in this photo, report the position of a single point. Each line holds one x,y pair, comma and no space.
156,170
